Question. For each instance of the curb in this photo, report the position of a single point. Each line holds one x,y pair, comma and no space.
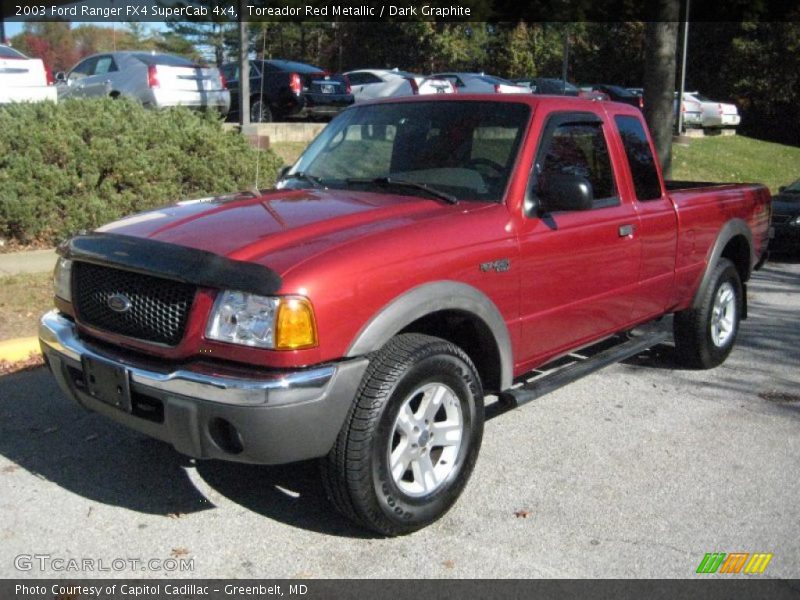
19,349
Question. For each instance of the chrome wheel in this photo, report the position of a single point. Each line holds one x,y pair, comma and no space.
723,315
426,439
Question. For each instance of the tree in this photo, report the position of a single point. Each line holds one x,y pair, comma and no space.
52,41
661,40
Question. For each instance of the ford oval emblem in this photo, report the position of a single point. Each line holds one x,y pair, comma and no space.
119,303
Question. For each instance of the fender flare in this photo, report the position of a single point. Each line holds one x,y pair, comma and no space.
430,298
730,230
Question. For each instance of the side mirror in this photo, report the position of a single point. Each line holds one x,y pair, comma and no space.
565,191
283,171
61,77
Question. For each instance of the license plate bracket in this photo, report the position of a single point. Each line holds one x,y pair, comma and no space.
327,88
107,382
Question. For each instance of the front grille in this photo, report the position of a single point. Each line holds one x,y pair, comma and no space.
157,309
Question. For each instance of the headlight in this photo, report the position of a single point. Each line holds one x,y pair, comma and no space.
795,221
61,279
279,323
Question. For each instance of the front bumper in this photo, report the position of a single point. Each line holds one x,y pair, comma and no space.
278,417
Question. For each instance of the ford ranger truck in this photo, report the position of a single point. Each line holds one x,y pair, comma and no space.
421,254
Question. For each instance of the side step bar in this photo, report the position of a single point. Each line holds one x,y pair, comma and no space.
548,382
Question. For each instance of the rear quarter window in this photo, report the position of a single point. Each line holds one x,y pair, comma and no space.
640,158
6,52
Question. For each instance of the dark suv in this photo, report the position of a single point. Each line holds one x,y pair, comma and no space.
282,89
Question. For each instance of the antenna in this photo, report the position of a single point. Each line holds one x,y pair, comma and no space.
261,100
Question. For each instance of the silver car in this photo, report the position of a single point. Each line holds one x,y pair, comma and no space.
481,83
156,80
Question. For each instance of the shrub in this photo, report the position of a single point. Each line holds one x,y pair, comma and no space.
82,163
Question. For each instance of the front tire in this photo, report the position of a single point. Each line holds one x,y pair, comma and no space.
704,336
411,438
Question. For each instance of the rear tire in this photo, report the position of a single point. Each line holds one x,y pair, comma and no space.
259,110
411,438
705,336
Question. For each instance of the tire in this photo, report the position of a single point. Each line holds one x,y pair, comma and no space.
705,336
259,111
386,471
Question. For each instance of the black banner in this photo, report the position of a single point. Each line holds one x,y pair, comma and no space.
411,589
390,10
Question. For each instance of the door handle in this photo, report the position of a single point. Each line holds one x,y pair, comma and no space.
625,230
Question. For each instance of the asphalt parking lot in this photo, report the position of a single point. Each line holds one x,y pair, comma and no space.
636,471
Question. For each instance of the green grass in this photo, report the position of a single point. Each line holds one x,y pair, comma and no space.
736,159
288,151
23,299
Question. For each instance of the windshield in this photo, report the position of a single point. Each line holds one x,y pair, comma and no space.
6,52
464,149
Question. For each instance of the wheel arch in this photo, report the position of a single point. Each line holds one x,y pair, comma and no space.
734,242
453,311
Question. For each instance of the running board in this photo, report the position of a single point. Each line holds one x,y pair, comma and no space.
549,382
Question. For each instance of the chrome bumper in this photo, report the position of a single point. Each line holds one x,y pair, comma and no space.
278,417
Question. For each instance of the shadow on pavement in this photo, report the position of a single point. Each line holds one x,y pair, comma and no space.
88,455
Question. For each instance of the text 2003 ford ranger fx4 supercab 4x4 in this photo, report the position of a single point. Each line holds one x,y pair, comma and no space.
420,254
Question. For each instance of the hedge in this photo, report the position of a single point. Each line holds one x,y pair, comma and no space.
81,163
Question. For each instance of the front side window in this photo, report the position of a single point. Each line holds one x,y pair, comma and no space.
465,149
84,69
580,149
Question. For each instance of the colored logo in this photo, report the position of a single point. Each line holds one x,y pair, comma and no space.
736,562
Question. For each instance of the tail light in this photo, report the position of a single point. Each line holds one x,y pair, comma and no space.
497,88
152,76
414,85
49,75
683,107
295,83
641,103
348,89
223,81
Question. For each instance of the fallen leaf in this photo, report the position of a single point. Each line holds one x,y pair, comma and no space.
178,552
91,437
33,362
521,514
448,564
10,468
176,515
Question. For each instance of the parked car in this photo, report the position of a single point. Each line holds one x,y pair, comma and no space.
691,109
24,79
411,262
281,89
549,85
369,84
154,79
715,114
786,220
617,93
480,83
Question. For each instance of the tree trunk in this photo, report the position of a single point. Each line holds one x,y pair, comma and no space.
659,79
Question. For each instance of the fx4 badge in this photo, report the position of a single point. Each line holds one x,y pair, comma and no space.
498,266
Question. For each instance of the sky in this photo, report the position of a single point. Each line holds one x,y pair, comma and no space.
13,28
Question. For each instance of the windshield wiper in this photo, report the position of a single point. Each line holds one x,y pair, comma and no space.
390,181
302,176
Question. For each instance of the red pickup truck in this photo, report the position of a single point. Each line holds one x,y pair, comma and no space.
421,254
